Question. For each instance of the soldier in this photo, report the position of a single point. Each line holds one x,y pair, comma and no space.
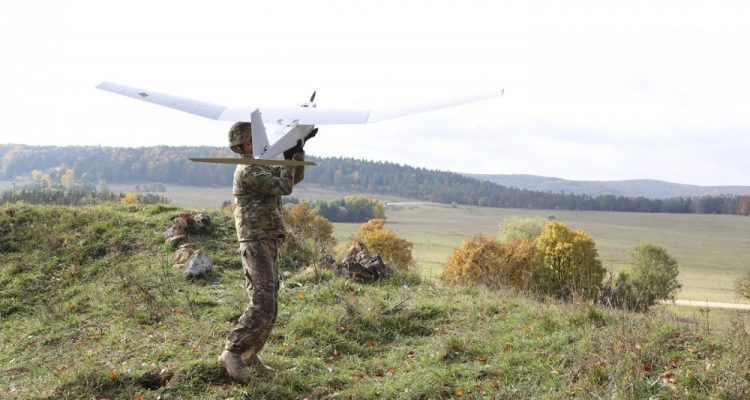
257,191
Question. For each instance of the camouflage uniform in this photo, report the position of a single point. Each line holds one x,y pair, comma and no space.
257,217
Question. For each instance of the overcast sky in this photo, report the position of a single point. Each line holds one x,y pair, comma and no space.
600,90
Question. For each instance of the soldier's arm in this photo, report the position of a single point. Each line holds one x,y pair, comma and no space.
274,184
299,172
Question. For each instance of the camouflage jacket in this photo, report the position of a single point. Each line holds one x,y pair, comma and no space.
257,195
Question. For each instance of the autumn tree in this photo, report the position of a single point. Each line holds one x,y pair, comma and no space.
386,243
129,198
743,205
566,263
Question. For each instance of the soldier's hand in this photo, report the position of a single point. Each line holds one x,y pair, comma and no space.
294,150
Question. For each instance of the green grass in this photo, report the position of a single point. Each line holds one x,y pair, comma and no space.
92,309
712,250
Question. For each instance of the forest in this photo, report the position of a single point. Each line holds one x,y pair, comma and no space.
167,164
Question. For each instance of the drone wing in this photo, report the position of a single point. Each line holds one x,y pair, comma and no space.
251,161
289,115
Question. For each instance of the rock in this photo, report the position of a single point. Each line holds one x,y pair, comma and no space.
155,379
286,274
173,231
362,266
183,254
198,264
170,232
175,240
183,220
201,223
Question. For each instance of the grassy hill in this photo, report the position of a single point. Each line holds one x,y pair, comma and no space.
90,307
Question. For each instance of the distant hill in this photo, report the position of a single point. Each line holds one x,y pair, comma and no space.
649,188
60,167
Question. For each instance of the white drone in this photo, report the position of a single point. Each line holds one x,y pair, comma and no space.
293,123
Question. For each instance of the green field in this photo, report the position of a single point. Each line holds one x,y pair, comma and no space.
713,250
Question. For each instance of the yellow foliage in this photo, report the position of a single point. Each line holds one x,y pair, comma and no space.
129,198
387,244
304,223
567,262
484,260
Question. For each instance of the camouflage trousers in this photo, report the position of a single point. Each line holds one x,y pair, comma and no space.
259,260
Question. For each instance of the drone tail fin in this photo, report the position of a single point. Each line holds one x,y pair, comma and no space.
260,138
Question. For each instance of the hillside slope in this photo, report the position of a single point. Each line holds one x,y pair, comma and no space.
91,308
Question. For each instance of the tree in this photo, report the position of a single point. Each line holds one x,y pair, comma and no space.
129,198
101,187
743,205
566,263
68,179
654,273
652,276
515,228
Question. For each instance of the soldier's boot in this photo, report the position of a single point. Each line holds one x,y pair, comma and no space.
251,360
232,362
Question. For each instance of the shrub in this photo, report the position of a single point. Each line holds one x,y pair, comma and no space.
515,228
129,198
484,260
743,286
354,208
651,277
309,237
387,244
566,263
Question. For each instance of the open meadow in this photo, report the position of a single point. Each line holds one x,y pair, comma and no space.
712,250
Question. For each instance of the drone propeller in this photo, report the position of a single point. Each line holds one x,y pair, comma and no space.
312,98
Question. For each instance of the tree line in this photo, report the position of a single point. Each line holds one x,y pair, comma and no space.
168,164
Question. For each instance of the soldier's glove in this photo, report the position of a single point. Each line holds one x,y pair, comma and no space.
294,150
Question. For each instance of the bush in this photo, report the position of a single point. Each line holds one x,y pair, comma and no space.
483,260
651,277
309,237
743,286
515,228
566,263
387,244
354,208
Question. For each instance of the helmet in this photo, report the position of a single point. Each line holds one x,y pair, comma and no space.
239,134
